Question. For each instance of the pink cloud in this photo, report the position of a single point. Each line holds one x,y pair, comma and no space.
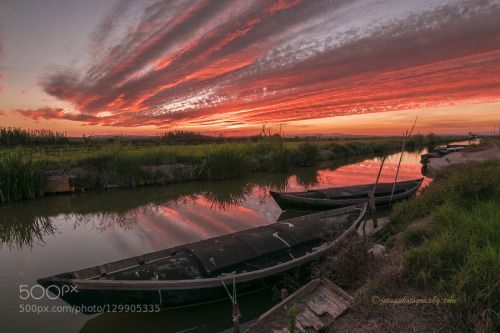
210,61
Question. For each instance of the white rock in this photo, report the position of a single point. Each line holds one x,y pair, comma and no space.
378,251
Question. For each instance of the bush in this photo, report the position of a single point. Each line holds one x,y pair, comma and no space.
305,154
223,163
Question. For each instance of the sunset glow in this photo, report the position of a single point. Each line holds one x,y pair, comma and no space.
353,67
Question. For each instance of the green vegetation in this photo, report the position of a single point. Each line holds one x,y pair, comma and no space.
224,162
21,177
306,154
274,156
94,164
186,137
459,252
12,136
415,237
292,318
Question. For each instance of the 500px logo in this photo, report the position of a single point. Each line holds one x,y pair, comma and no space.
37,292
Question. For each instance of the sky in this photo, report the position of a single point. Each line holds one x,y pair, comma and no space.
229,66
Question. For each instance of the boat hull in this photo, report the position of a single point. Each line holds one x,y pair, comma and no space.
296,201
146,299
281,249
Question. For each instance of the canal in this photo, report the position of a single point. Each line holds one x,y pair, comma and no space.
63,233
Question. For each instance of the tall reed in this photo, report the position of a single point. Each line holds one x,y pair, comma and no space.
224,162
13,136
21,177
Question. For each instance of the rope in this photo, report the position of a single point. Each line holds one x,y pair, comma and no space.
233,300
234,290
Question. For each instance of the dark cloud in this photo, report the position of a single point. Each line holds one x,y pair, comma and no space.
196,62
55,113
109,23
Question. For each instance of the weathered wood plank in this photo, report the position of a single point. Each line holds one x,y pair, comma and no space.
307,318
319,303
335,308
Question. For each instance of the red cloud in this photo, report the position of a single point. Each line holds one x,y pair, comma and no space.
55,113
215,61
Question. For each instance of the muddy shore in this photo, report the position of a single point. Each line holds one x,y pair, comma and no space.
469,154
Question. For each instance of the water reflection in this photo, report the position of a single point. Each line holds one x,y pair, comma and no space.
214,317
63,233
307,178
189,211
16,233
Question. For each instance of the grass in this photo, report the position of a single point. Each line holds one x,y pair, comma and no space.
459,252
21,177
13,136
223,163
125,163
305,154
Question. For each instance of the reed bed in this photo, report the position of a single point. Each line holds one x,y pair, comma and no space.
23,168
13,136
21,177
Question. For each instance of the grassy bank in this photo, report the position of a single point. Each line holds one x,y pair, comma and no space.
126,165
21,177
458,252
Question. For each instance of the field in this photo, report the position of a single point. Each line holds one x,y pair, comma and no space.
24,165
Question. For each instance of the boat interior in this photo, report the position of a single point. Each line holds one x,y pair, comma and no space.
358,191
244,251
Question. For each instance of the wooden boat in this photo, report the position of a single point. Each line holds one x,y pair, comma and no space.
440,152
345,196
198,272
318,304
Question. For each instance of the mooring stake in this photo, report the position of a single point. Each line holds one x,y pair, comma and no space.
406,137
371,202
234,301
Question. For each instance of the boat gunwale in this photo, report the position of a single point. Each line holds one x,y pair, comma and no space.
104,284
350,201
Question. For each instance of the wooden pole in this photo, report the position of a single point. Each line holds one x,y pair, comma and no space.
236,318
407,135
371,202
399,165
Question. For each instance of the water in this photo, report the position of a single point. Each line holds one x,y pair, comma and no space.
64,233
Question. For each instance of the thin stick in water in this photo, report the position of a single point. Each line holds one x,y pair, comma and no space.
407,135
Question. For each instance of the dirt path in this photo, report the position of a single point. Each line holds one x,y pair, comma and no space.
384,281
437,164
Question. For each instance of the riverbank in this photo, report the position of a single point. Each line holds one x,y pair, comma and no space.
31,172
55,234
440,267
488,150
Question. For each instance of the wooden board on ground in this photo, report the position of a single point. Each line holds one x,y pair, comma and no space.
370,229
318,304
58,184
